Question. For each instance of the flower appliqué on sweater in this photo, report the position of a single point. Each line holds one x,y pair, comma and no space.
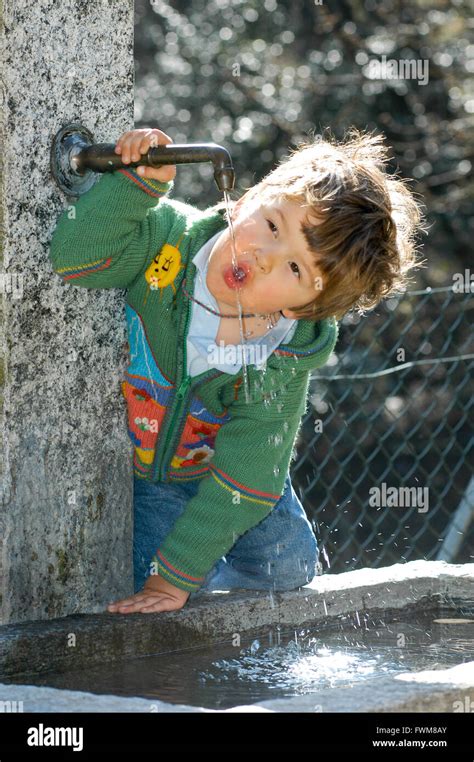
198,452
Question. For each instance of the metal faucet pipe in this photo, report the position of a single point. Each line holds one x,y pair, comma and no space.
75,158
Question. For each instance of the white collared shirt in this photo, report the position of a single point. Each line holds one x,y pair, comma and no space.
202,352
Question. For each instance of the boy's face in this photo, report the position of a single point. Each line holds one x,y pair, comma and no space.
276,267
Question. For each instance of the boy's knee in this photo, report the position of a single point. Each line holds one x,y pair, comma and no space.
301,569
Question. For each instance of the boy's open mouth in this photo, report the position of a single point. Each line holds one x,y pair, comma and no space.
237,277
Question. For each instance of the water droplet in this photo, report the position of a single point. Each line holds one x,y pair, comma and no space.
254,646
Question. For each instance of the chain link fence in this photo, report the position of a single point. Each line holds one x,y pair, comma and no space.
383,458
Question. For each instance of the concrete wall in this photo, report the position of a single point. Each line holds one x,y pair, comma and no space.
66,500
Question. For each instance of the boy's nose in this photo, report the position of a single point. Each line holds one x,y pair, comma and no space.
264,261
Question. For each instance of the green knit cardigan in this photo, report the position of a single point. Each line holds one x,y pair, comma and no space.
126,233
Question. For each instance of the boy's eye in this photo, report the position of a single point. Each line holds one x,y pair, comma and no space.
271,224
299,272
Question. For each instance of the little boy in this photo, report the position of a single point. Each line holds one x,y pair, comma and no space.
326,231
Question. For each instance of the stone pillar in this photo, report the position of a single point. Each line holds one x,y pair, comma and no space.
66,470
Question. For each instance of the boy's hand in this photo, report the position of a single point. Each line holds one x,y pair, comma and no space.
131,145
157,595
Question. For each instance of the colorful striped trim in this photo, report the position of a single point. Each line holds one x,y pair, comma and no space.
252,495
175,575
140,467
188,474
90,267
325,340
153,187
293,352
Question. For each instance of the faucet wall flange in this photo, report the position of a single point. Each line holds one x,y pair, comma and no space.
67,144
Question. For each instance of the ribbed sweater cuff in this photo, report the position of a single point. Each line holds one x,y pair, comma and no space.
154,188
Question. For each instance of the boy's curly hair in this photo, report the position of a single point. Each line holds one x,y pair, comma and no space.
365,245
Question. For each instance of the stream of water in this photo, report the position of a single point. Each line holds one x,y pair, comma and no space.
235,266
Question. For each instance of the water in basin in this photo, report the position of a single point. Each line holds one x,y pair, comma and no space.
281,662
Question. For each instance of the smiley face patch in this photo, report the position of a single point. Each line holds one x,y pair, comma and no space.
163,270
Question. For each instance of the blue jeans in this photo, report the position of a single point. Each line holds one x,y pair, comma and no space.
280,553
